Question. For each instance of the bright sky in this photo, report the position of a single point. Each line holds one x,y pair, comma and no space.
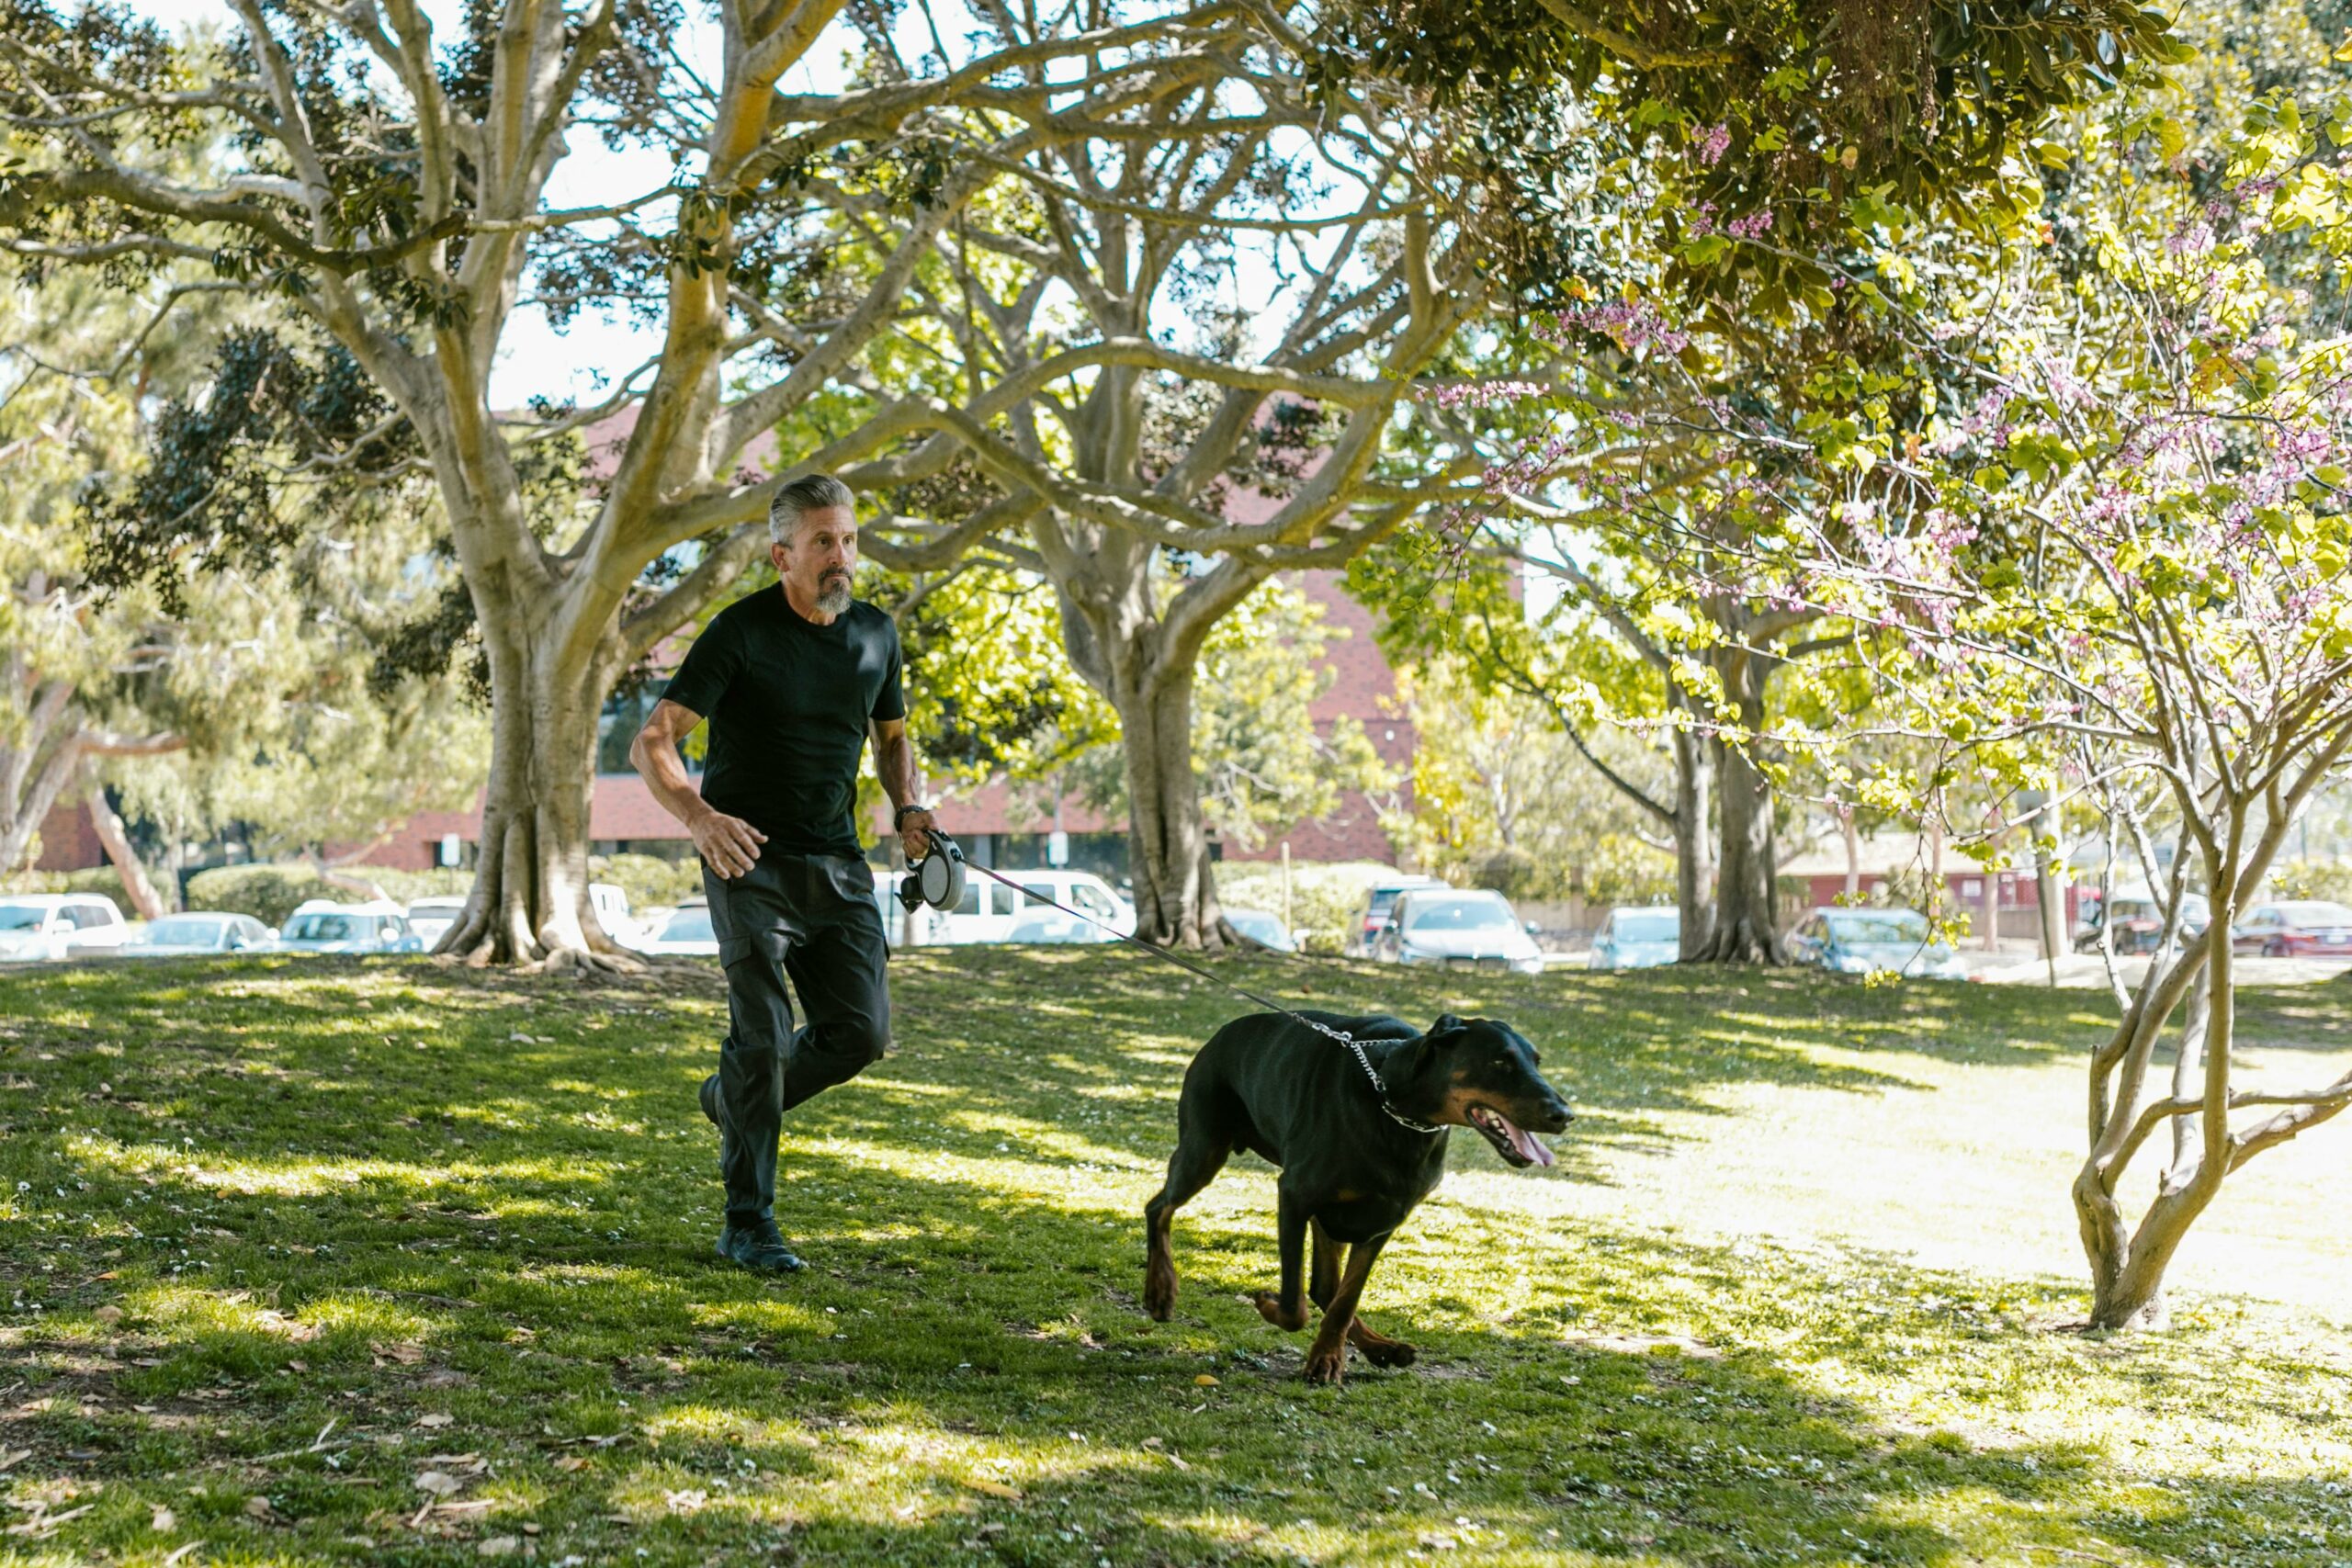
534,359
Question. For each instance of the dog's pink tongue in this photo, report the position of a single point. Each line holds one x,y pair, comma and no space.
1526,1143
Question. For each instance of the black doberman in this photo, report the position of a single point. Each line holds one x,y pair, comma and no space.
1350,1170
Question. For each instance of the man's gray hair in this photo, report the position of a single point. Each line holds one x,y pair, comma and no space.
807,493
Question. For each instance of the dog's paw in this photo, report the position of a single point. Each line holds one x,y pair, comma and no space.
1389,1353
1269,1307
1327,1366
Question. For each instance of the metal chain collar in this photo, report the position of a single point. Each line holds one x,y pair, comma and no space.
1344,1038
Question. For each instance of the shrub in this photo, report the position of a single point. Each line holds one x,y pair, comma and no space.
269,893
402,885
1326,899
648,880
100,879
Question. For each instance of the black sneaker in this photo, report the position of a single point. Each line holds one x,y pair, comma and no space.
759,1248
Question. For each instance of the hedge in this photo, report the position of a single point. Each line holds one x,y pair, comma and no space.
103,879
648,880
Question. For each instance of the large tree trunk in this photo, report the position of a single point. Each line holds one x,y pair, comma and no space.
1167,842
530,896
1746,931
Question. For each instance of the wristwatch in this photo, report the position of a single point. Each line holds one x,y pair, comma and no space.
898,817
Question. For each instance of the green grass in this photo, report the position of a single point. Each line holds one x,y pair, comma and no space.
387,1262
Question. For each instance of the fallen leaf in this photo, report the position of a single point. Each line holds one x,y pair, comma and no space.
572,1461
407,1355
164,1520
500,1546
435,1418
686,1502
258,1507
1204,1381
439,1482
994,1488
11,1458
108,1314
297,1366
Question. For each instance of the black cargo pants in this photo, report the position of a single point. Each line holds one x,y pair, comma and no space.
812,917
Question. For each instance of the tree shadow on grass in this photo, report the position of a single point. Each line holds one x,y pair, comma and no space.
963,1378
2296,1018
275,1194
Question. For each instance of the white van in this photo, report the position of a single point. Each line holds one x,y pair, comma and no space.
990,907
35,926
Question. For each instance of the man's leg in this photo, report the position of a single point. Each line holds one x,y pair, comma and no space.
838,967
745,1096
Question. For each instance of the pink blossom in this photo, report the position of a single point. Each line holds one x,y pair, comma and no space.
1633,327
1712,145
1480,394
2189,239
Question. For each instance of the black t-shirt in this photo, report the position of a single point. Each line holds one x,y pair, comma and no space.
788,701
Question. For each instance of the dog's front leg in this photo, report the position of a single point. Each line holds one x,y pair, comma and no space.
1327,1358
1288,1311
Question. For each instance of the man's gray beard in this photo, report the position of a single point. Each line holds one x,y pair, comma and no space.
834,600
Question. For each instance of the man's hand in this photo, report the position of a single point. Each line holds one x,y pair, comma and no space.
727,844
914,833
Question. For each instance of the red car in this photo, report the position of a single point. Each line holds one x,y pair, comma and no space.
2302,928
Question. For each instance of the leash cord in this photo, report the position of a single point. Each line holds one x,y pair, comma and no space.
1341,1035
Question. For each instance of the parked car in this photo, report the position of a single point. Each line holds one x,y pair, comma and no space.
200,931
2139,920
39,926
1636,938
1858,941
990,908
1043,922
1260,927
685,932
320,926
1379,904
2299,927
430,917
610,905
1461,929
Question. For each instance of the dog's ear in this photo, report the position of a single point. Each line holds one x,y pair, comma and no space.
1445,1031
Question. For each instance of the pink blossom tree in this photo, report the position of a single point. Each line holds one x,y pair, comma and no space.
2113,559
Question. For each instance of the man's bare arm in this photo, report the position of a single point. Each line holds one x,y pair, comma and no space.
893,760
727,844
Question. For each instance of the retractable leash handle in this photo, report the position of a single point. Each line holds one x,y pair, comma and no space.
937,879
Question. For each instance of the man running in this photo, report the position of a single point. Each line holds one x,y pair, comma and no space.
790,680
